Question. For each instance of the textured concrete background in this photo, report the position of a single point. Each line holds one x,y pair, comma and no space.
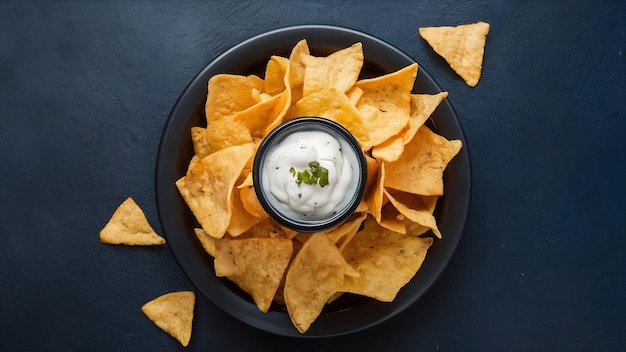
85,91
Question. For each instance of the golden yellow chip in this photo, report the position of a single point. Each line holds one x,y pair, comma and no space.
414,209
207,242
339,70
385,260
226,132
229,94
463,47
345,231
264,116
333,105
294,78
420,168
422,106
375,195
207,188
129,226
275,72
173,313
393,220
267,228
385,105
201,147
315,274
251,203
256,265
241,220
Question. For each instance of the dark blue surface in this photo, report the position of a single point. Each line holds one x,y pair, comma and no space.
85,90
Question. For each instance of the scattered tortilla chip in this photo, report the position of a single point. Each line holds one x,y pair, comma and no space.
339,70
420,168
385,260
207,188
315,275
256,265
422,106
129,226
463,47
173,313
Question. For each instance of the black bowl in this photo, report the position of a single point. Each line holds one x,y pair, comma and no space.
351,200
349,313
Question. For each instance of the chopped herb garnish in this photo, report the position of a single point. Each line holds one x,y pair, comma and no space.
316,174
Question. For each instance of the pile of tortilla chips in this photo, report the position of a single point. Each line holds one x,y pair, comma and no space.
377,250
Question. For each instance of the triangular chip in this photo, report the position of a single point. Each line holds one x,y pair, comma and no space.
207,188
315,275
414,209
228,94
173,313
256,265
463,47
375,194
334,105
339,70
420,168
201,146
129,226
422,106
275,72
385,260
207,242
385,105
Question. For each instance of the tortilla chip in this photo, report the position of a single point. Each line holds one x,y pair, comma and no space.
275,72
261,118
207,242
315,274
241,220
129,226
256,265
463,47
420,168
207,188
339,70
375,195
414,209
294,78
333,105
201,147
251,203
385,260
229,94
385,105
422,106
173,313
393,220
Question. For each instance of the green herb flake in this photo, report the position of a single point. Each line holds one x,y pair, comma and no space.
316,174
